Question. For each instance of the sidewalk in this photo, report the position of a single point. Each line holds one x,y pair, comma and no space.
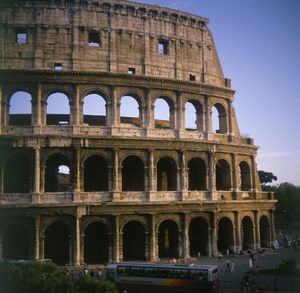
232,281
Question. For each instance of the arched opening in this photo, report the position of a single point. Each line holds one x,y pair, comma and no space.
130,111
166,174
94,110
134,242
225,235
197,174
163,113
20,109
264,228
198,235
57,243
15,243
57,174
133,174
58,109
95,174
247,233
219,118
223,175
245,176
168,240
193,116
17,174
96,243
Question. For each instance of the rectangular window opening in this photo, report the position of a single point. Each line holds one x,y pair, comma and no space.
162,47
58,66
192,77
21,37
94,39
131,70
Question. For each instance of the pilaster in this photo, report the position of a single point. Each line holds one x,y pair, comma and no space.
237,226
257,230
117,239
37,237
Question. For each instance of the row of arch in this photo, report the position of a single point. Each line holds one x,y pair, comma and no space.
94,111
58,175
98,240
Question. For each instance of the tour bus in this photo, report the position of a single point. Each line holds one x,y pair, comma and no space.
134,277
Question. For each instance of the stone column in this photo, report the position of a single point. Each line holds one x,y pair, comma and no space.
151,176
42,178
37,121
209,242
149,111
183,177
77,242
180,114
212,176
36,238
113,51
76,107
115,106
116,188
185,236
257,230
235,185
214,234
153,239
173,117
77,170
5,111
37,173
208,122
237,226
82,236
230,112
42,245
117,239
253,174
143,115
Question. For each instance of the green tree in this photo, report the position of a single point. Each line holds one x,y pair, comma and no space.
266,177
288,196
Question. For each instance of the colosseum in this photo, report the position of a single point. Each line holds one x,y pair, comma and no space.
83,183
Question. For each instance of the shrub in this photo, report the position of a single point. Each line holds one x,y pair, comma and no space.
46,278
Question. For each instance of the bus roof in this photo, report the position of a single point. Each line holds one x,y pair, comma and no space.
162,265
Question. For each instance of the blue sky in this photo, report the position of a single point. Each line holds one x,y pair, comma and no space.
258,42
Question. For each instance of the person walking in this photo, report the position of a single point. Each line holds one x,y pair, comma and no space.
232,266
227,266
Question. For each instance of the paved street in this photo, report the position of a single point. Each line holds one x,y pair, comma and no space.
231,282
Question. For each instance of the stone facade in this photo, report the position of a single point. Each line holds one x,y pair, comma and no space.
136,188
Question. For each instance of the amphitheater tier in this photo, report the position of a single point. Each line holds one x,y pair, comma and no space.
108,187
108,36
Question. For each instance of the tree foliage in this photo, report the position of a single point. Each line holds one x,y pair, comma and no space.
46,278
288,196
266,177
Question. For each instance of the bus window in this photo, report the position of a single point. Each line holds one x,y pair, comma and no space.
199,274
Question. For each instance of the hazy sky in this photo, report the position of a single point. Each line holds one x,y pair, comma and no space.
258,42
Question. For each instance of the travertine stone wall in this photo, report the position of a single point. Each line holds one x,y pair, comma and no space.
129,33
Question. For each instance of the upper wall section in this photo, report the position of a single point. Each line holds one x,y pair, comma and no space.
109,36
